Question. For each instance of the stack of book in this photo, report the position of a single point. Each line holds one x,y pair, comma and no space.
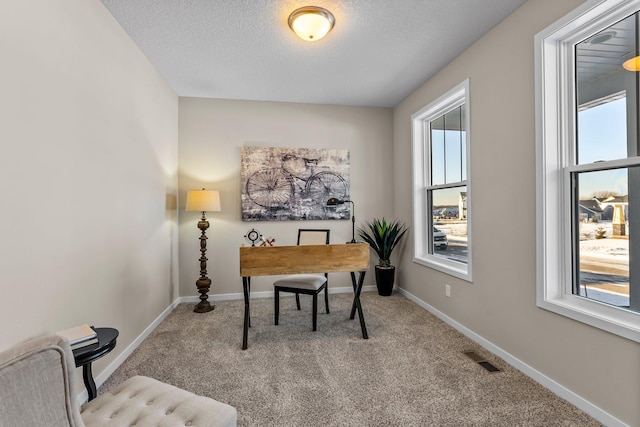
80,336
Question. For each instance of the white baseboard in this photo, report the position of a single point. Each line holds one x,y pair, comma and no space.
598,413
110,369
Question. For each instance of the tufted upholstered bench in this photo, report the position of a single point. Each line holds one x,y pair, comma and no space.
142,401
37,389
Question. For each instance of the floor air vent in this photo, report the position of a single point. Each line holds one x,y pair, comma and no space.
480,361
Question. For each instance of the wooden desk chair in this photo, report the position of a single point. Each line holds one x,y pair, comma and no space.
308,284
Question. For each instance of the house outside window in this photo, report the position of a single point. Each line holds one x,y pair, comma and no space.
588,189
441,187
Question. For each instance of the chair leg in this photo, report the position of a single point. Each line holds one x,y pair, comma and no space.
298,300
326,298
315,311
276,299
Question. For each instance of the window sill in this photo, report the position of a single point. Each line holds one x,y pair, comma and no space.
612,319
453,268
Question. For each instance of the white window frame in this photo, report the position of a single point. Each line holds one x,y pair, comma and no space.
555,142
422,214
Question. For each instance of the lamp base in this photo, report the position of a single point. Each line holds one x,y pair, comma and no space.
203,307
203,285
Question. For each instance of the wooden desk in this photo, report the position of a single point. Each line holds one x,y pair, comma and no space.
272,260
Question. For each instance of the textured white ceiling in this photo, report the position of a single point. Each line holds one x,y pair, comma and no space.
378,52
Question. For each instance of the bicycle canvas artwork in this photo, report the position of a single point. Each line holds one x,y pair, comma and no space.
284,184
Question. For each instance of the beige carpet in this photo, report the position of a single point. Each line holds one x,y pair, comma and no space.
410,372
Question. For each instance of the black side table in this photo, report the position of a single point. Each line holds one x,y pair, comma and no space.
84,356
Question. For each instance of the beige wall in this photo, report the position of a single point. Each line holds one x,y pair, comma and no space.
88,175
89,170
211,134
500,305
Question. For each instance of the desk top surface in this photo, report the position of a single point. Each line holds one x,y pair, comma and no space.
272,260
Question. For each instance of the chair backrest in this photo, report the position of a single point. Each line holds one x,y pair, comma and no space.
36,385
313,236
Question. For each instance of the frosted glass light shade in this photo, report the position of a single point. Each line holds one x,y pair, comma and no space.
311,23
632,64
203,201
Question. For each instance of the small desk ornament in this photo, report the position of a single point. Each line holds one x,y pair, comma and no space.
269,241
253,236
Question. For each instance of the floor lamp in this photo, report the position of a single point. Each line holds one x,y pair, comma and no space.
203,201
335,202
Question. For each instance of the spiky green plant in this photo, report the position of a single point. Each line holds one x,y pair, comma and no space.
383,237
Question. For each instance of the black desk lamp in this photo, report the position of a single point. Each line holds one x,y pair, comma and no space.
335,202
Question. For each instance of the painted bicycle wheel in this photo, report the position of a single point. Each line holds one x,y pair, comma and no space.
325,185
269,188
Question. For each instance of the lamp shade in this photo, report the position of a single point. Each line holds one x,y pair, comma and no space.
203,201
311,23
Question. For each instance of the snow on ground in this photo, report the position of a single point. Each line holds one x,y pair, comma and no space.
605,247
452,227
609,248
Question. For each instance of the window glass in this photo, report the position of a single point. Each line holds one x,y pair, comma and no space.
602,132
453,143
606,131
463,141
450,223
438,151
602,236
448,153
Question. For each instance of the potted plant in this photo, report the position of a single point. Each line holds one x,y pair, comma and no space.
383,238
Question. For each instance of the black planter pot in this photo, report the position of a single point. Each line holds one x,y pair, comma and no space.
385,277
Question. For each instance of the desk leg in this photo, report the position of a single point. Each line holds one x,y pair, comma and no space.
357,288
246,285
87,376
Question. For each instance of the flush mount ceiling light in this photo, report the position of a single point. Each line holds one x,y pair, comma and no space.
311,23
632,64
